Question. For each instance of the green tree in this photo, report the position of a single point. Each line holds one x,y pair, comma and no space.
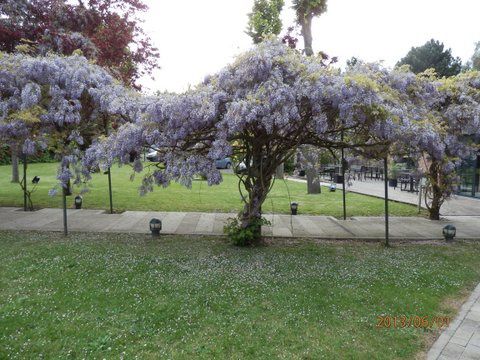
306,10
432,55
264,19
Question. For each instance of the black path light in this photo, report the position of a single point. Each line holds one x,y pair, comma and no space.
294,208
449,232
78,202
155,226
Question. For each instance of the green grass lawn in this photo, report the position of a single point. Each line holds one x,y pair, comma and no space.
220,198
121,296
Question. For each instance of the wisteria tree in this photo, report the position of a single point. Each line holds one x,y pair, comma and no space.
449,136
56,102
261,108
444,123
106,31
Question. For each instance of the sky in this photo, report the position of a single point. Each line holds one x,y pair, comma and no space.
196,38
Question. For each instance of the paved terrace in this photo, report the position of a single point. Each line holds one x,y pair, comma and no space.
457,205
325,227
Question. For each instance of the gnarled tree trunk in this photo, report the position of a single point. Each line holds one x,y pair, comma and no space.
251,216
257,182
436,194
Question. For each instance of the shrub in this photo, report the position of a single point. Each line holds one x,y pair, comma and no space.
244,236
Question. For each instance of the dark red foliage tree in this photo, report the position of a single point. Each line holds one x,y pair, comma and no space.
108,31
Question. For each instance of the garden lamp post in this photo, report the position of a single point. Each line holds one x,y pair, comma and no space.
78,202
155,227
449,232
294,208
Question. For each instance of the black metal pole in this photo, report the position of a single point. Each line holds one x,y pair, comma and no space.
474,180
24,158
65,226
343,187
110,190
385,170
343,182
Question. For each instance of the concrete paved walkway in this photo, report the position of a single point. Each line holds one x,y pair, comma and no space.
456,206
461,340
326,227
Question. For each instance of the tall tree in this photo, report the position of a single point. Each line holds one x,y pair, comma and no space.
432,55
107,31
264,19
449,135
476,57
305,11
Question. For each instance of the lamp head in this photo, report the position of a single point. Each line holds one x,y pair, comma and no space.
155,226
449,232
78,202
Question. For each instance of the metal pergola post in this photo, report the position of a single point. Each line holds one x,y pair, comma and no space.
474,180
343,182
24,158
385,169
110,190
65,225
343,187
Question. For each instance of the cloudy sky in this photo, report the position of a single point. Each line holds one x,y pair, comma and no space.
196,38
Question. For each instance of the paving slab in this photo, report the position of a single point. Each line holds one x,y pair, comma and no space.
471,352
171,221
205,224
189,224
220,221
125,222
